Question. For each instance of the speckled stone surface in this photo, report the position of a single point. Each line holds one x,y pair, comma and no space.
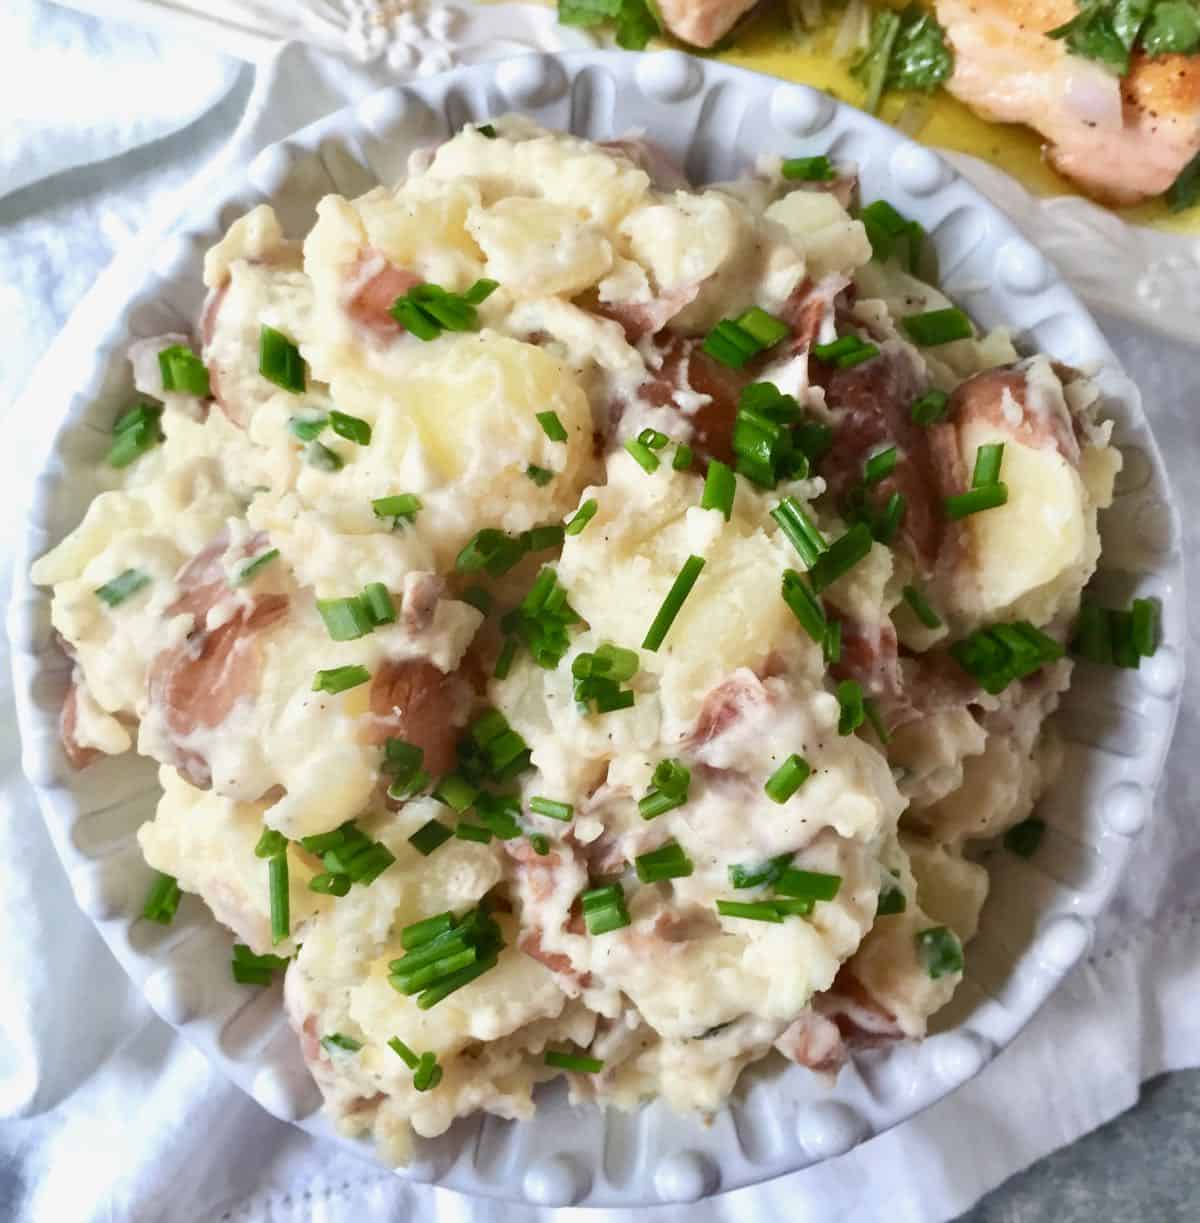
1144,1167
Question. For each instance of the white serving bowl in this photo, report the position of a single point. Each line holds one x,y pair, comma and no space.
715,120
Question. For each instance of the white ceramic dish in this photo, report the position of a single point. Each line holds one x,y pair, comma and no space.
1037,924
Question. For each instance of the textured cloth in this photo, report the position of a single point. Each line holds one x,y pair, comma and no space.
110,1116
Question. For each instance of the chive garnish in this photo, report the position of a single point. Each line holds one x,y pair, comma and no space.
135,432
929,408
307,426
162,900
680,589
582,516
807,885
801,531
938,327
429,837
841,556
720,485
352,428
551,808
122,587
939,951
322,458
751,910
336,1040
604,909
808,169
340,679
997,656
850,699
250,569
846,352
880,465
552,426
280,362
667,862
787,779
345,619
183,372
576,1062
920,608
1024,838
251,969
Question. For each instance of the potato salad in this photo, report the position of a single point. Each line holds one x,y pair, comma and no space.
588,624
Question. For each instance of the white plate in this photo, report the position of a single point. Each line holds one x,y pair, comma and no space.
715,120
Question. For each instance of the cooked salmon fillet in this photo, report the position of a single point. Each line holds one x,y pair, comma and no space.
1122,140
702,22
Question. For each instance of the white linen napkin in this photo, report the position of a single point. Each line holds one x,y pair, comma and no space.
112,1117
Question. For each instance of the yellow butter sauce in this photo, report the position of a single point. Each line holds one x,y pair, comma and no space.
767,43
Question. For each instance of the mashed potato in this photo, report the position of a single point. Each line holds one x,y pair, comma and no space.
380,601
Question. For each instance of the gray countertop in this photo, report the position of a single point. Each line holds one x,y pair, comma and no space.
1144,1167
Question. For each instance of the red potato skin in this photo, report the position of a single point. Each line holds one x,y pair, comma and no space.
78,756
412,700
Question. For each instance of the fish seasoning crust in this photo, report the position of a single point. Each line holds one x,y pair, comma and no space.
583,622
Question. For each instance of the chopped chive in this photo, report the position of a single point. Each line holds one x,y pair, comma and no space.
345,619
280,362
880,465
808,169
646,459
307,426
939,951
135,432
683,458
251,969
399,506
975,501
540,843
540,539
751,911
831,643
122,587
887,523
1024,838
478,598
329,884
765,329
183,372
277,878
653,438
792,906
541,476
1093,634
250,569
1145,617
492,551
403,1052
270,844
378,603
429,837
448,985
667,862
336,1040
850,698
504,660
892,901
805,606
352,428
486,130
551,809
987,464
581,517
604,909
657,803
552,426
800,530
162,900
807,885
1124,652
679,592
841,556
425,931
720,485
765,873
480,291
428,1073
846,352
455,792
340,679
938,327
573,1061
729,345
787,779
322,458
929,408
875,718
920,608
473,832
